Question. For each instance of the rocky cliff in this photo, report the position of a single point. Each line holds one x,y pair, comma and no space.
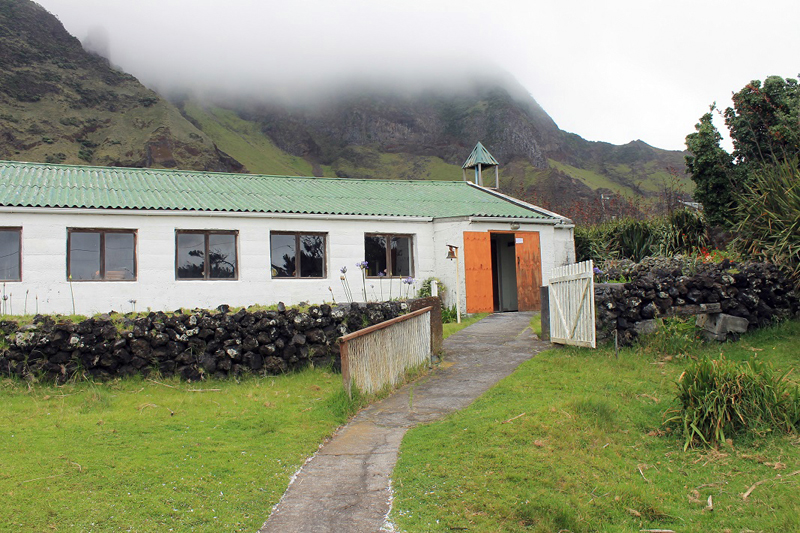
61,104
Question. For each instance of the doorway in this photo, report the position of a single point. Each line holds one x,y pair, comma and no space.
504,272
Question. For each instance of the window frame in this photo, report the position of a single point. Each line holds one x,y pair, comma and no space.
207,264
389,264
102,232
18,229
297,270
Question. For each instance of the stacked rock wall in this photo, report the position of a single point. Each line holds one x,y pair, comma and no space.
659,287
193,344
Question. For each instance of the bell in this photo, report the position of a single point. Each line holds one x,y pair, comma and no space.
452,252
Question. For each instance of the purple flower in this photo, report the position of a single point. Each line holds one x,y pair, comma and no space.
597,270
363,265
343,270
382,273
409,280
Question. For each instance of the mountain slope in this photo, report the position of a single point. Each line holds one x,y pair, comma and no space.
58,103
428,135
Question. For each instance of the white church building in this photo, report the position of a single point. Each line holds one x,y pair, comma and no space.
95,239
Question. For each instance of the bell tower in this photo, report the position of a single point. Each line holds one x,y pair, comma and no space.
481,159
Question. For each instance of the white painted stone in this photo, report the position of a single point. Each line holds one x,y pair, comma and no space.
44,269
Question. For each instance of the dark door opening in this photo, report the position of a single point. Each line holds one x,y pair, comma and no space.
504,272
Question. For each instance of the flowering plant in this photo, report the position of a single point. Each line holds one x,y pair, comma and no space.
363,266
409,281
346,285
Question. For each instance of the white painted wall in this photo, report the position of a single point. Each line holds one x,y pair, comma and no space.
564,245
44,253
555,242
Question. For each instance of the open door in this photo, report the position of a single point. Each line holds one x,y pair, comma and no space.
478,271
529,270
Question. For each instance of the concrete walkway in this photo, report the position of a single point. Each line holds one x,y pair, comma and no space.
345,486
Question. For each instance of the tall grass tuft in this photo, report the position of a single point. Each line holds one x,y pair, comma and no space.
682,232
718,399
769,216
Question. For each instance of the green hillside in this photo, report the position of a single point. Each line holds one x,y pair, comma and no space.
62,104
244,141
616,170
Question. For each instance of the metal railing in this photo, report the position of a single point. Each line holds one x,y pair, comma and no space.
380,355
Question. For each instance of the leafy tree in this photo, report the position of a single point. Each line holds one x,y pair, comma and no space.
763,121
712,170
764,125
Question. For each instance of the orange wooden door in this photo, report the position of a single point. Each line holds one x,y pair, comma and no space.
478,271
529,270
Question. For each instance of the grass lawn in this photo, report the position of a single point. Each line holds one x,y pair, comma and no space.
137,455
573,441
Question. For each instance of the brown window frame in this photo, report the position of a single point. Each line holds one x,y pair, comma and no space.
102,232
297,235
18,229
389,265
207,264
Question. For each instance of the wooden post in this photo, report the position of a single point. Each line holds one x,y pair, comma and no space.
458,290
545,316
344,354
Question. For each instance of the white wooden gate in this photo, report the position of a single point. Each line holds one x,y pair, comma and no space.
572,305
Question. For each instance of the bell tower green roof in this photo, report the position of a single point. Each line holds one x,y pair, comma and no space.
480,156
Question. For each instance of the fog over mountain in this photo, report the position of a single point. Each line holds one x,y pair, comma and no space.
613,71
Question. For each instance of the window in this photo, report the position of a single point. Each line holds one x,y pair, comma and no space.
194,247
10,257
101,255
288,263
388,255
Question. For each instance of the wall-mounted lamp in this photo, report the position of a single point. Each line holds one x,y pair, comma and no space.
452,253
515,226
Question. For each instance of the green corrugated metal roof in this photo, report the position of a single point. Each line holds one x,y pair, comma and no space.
479,156
43,185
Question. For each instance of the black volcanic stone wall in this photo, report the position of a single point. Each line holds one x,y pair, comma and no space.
194,345
658,287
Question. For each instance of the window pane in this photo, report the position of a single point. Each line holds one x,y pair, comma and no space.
120,256
312,256
375,254
191,254
283,256
222,255
84,255
9,254
401,256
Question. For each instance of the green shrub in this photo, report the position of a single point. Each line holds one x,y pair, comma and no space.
86,154
683,232
449,314
55,158
718,399
769,217
636,239
425,288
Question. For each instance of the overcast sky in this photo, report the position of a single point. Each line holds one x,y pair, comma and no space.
613,70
